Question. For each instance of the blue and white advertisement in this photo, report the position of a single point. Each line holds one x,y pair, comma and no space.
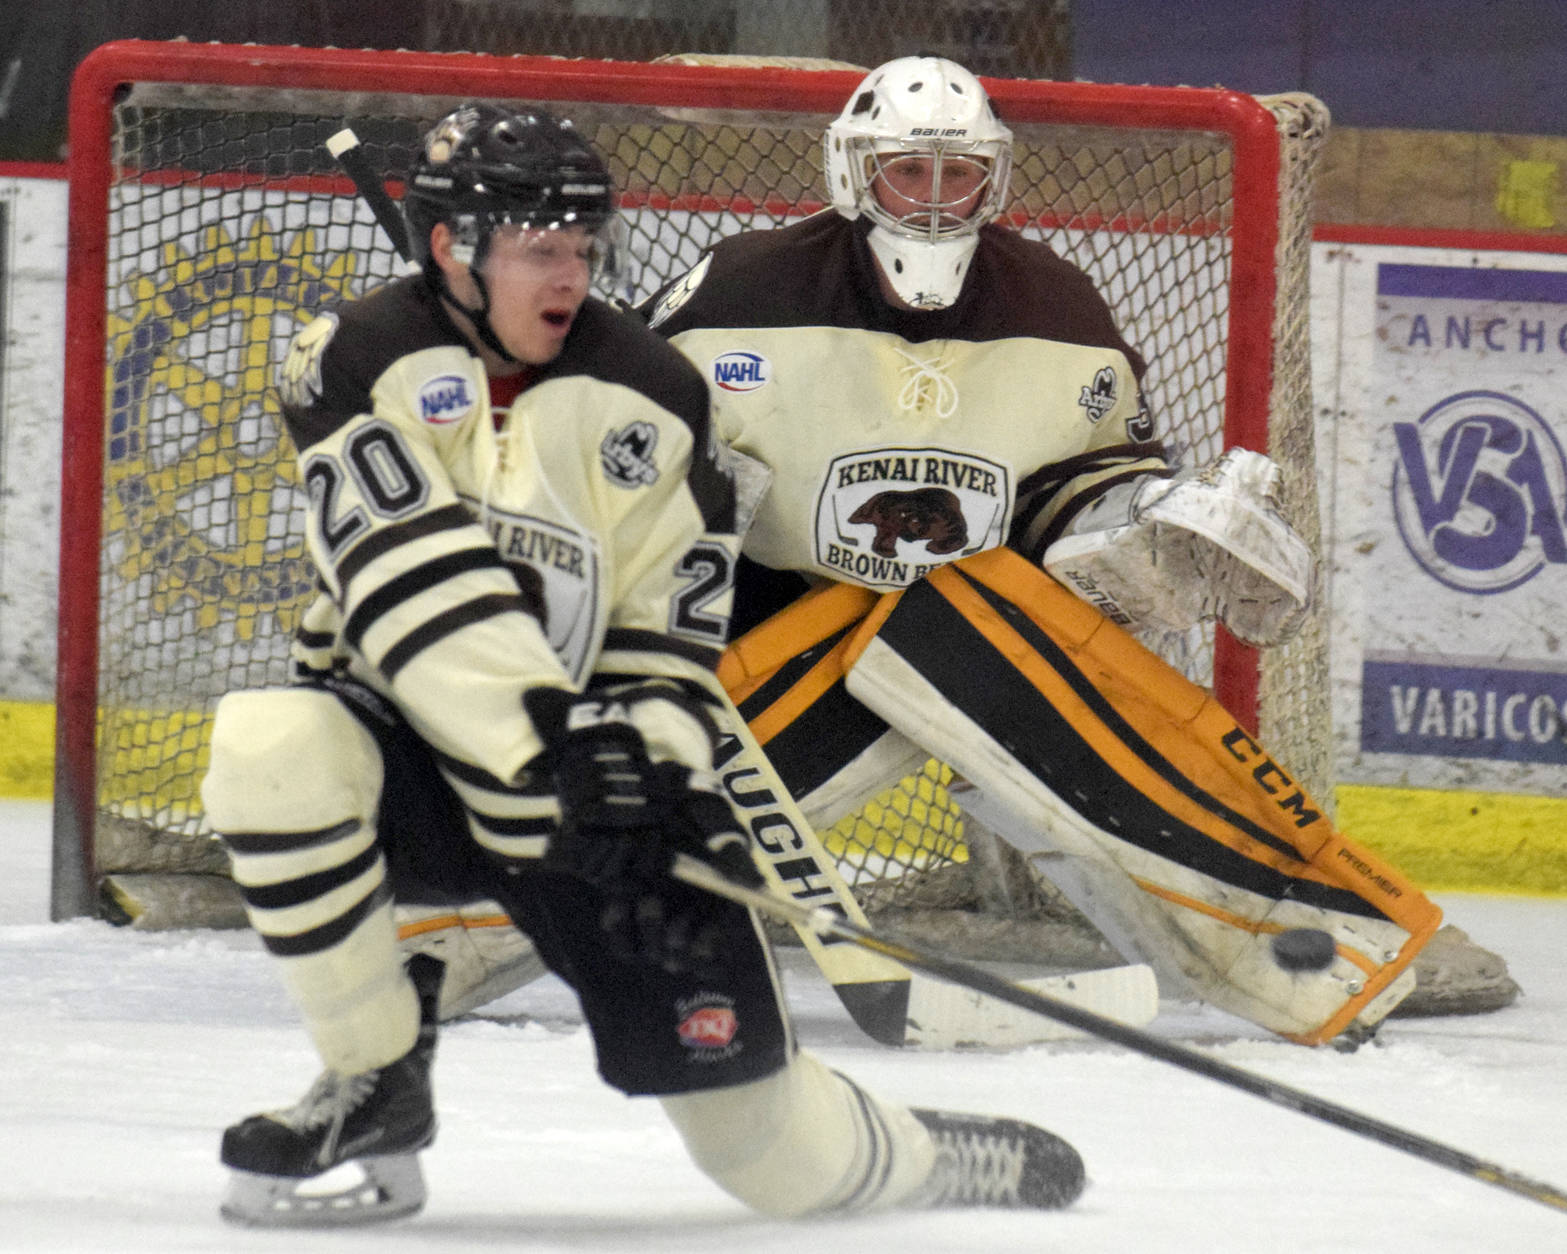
1449,523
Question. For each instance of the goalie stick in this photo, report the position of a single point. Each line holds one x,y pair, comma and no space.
884,1000
826,923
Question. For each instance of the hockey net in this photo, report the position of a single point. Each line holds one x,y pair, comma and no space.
208,223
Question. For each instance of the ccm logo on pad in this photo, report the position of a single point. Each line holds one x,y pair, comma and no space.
742,372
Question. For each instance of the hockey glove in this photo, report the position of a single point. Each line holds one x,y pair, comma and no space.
623,820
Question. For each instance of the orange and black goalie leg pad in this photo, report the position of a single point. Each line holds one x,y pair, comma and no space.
1174,819
786,678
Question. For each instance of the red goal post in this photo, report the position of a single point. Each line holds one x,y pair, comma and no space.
207,220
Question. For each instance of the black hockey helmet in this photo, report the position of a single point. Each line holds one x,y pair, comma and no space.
482,165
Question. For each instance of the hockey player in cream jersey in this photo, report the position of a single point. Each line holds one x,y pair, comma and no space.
505,692
942,412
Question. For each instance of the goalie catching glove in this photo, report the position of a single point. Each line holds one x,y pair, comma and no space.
1164,554
624,818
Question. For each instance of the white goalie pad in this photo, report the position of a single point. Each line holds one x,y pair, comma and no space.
486,955
1203,938
948,1016
1164,554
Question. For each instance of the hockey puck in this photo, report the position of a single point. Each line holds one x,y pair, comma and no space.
1303,949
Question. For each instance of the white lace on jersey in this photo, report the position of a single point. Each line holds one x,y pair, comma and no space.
920,380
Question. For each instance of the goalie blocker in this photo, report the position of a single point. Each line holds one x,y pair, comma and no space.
1168,825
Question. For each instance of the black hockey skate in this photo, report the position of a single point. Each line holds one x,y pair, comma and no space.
376,1121
983,1161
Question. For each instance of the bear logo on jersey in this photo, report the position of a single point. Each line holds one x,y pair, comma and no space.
929,514
887,517
1098,398
627,455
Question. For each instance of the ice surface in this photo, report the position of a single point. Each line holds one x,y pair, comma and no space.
123,1055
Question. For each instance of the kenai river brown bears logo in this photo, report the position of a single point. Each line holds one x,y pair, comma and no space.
886,517
929,514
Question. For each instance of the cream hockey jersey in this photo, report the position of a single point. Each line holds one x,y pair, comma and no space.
900,440
468,551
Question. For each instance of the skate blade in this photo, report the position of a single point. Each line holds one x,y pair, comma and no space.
376,1190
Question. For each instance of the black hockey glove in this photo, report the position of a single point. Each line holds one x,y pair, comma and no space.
623,820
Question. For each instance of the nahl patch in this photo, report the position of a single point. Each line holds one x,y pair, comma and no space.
445,399
627,455
1098,398
741,371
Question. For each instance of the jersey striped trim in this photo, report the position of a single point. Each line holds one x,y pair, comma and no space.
317,939
296,892
378,543
404,587
435,629
640,640
250,843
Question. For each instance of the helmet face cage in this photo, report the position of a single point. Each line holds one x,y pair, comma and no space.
918,106
481,167
933,216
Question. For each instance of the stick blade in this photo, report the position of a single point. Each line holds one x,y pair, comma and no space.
948,1016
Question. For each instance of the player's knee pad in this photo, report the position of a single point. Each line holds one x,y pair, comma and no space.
292,788
288,759
486,955
804,1140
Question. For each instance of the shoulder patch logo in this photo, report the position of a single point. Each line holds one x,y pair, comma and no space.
1098,398
627,455
445,399
740,371
1139,427
299,375
682,291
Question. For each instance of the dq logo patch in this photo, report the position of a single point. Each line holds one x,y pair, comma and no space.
888,517
708,1026
1478,490
627,455
742,372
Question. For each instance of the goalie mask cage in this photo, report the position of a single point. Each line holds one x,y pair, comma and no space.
208,223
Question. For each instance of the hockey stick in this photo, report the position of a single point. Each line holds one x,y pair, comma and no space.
823,921
345,149
886,1001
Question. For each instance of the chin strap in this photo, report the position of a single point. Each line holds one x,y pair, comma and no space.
480,317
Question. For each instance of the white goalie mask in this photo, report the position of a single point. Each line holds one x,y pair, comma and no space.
924,121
